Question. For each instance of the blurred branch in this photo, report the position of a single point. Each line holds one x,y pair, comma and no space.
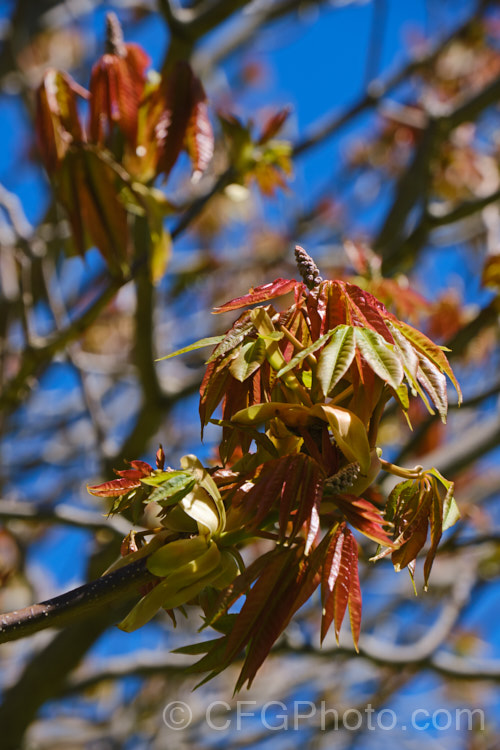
139,664
412,187
188,25
376,45
46,672
419,433
476,442
240,35
67,515
36,357
378,88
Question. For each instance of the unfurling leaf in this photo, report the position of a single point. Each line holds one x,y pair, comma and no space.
116,87
178,118
57,122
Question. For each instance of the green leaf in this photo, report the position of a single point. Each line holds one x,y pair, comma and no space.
380,356
210,341
451,512
300,356
291,414
250,357
406,351
434,382
431,350
159,478
402,396
172,494
336,358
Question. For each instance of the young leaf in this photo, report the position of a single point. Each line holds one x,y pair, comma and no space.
330,572
210,341
434,382
57,121
233,337
380,356
354,601
116,86
431,350
183,120
336,358
250,357
260,294
199,139
114,488
364,516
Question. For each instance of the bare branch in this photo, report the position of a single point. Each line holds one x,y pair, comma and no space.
74,605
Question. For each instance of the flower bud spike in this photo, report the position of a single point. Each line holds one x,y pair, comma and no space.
114,36
308,268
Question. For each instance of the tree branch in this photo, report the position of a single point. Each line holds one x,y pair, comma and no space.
73,605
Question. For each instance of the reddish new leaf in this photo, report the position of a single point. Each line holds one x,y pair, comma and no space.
115,488
178,117
260,294
340,584
199,139
116,86
329,575
275,617
354,602
436,524
57,122
274,125
364,516
257,603
368,310
343,583
241,585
